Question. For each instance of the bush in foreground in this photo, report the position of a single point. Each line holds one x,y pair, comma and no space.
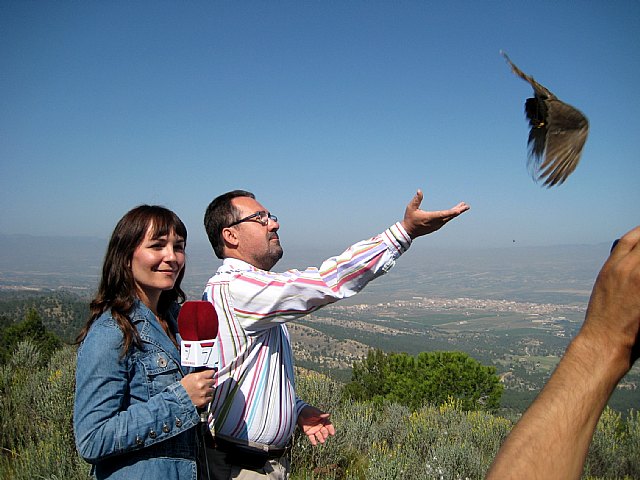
36,408
382,441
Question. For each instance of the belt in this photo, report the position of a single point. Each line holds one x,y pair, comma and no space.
253,449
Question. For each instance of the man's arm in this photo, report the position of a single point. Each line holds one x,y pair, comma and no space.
262,298
552,438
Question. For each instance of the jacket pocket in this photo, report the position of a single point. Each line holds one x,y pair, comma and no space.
161,371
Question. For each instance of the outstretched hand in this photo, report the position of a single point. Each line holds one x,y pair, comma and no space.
419,222
315,424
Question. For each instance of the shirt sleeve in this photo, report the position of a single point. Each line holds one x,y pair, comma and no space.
300,404
262,298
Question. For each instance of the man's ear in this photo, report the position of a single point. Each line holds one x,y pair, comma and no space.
230,237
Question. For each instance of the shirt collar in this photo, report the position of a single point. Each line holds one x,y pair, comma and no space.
230,263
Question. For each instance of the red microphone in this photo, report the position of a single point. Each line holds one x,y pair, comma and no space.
198,327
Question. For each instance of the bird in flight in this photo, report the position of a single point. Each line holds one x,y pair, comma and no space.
557,135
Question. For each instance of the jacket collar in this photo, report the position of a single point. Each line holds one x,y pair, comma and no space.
150,329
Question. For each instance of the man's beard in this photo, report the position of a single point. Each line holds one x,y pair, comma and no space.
275,253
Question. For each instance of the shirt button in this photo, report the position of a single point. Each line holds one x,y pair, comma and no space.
178,422
165,428
162,362
152,434
139,441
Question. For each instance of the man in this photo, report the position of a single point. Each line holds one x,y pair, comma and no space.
551,440
255,410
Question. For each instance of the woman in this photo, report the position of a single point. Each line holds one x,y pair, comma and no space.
135,413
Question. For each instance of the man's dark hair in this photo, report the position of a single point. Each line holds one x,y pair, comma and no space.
220,214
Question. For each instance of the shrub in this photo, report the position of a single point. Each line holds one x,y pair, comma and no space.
36,407
431,377
32,330
388,441
615,449
383,440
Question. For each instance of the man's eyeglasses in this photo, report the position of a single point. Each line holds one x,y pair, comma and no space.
261,217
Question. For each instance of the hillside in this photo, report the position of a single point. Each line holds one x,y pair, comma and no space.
515,308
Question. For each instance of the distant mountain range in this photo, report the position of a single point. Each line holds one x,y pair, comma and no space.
467,300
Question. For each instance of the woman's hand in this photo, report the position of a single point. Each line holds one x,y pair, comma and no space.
199,387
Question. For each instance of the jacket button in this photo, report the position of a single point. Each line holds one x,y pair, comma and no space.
165,428
152,434
178,422
162,362
139,441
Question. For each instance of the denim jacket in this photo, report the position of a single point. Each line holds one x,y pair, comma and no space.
132,418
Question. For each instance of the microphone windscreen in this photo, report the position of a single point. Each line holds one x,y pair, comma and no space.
198,320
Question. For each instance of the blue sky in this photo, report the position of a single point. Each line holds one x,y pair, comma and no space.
332,112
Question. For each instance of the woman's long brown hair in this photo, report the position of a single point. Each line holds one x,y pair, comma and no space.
117,291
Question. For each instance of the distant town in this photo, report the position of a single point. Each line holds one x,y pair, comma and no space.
514,309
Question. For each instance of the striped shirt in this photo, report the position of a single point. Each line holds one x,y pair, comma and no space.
255,399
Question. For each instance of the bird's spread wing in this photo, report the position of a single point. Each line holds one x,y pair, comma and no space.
557,135
539,90
566,133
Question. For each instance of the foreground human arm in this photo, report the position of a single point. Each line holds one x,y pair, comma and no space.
315,424
552,439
